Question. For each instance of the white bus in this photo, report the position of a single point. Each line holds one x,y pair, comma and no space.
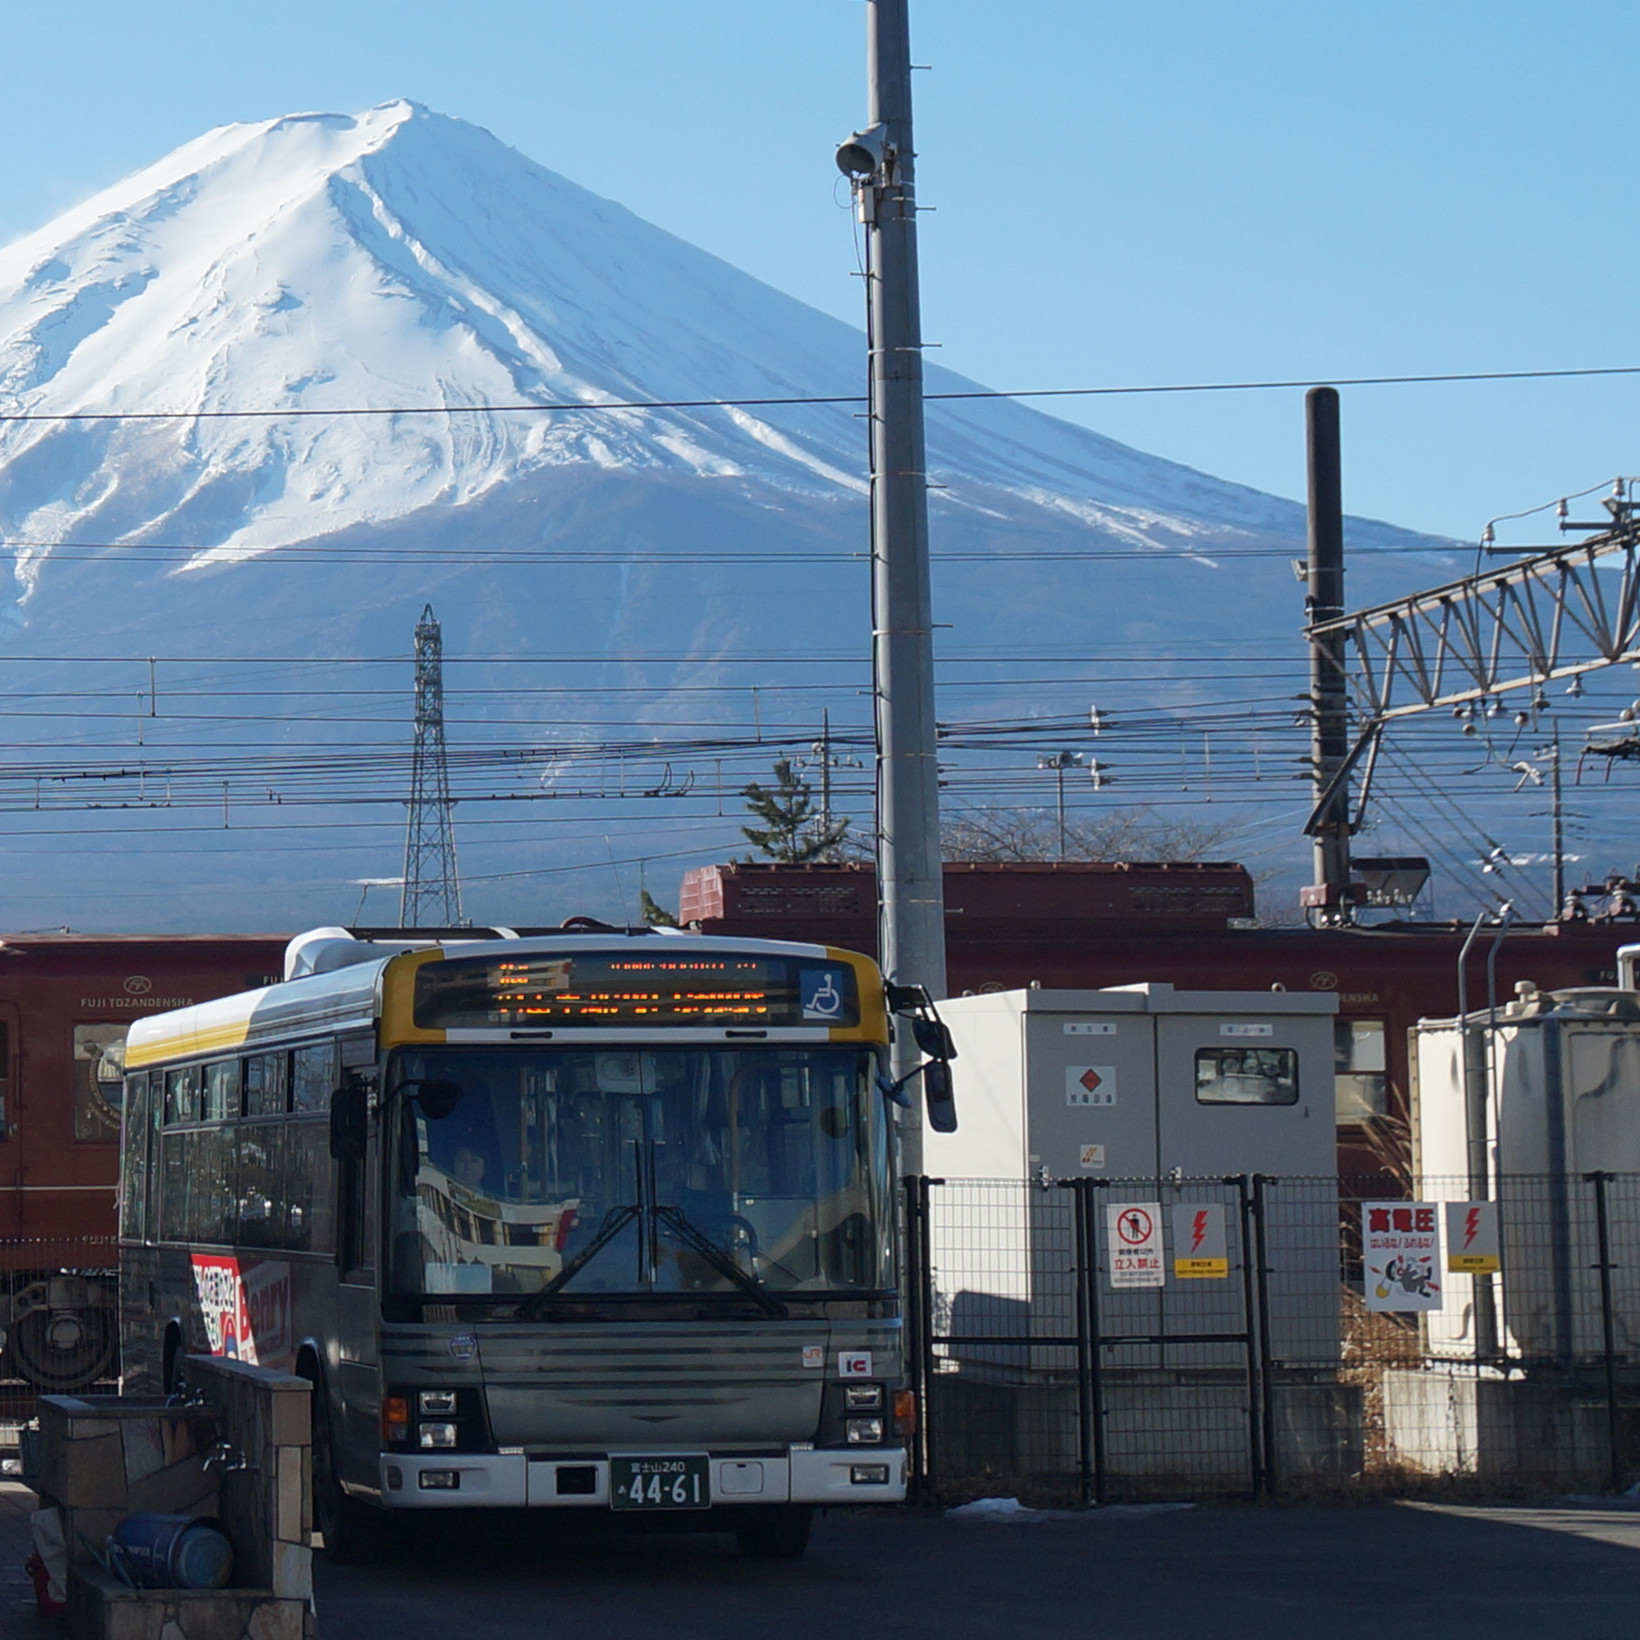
599,1219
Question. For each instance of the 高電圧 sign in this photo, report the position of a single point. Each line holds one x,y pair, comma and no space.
1401,1253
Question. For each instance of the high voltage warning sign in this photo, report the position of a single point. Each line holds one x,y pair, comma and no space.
1201,1250
1472,1238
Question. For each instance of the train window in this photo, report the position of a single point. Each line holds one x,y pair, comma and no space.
1360,1072
182,1095
99,1080
1246,1076
313,1076
222,1091
266,1080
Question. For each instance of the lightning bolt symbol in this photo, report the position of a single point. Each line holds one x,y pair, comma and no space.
1471,1224
1198,1230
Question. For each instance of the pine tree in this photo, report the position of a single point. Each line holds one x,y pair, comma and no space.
792,832
654,915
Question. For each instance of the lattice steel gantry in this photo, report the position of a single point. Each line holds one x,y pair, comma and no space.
1557,614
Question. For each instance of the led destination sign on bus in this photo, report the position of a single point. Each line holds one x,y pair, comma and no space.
604,989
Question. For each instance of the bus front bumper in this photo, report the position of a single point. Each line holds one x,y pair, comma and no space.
511,1480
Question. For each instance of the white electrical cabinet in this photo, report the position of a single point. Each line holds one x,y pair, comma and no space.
1159,1097
1557,1097
1141,1081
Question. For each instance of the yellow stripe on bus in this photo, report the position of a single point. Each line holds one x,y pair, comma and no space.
232,1035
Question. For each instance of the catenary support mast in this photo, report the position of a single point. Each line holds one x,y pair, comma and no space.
880,160
1329,898
431,897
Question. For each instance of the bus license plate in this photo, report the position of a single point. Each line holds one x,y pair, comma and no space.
660,1483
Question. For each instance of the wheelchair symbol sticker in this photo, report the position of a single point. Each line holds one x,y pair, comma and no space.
821,993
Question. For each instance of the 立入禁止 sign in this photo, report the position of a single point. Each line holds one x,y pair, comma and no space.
1401,1253
1133,1232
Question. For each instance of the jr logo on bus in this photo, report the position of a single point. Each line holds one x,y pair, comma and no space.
821,991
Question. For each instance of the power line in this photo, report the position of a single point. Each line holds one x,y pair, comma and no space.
772,401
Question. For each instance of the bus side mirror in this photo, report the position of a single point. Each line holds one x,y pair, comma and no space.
939,1097
933,1037
349,1122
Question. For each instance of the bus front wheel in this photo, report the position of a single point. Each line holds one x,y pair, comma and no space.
352,1531
780,1533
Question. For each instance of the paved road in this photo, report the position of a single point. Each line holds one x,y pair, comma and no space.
1388,1572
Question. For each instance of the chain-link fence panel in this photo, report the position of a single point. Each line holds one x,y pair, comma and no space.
1114,1338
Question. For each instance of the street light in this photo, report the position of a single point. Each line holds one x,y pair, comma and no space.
1059,762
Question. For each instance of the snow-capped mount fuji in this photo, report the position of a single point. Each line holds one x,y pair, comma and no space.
669,561
400,259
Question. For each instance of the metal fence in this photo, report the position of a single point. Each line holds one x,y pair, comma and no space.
1090,1339
59,1320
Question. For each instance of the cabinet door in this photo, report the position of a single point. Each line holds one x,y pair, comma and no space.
1092,1094
1244,1094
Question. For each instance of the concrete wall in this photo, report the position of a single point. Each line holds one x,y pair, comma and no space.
241,1453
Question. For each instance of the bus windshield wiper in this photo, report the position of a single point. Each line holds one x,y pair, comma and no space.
673,1219
615,1221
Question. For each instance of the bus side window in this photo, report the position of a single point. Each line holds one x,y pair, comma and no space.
266,1081
134,1160
210,1182
182,1095
222,1091
176,1156
313,1076
310,1204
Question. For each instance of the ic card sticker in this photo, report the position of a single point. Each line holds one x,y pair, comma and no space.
854,1364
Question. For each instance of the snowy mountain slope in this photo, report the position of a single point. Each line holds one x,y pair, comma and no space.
401,258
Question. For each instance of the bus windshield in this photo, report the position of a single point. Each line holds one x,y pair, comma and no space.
580,1172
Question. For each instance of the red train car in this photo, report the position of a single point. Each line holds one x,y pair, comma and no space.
1081,924
65,1003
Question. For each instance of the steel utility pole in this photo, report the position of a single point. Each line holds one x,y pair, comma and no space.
432,886
1559,833
879,162
1329,897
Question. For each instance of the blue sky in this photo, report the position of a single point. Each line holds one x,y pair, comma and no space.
1178,191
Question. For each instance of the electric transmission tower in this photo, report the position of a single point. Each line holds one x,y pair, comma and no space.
432,885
